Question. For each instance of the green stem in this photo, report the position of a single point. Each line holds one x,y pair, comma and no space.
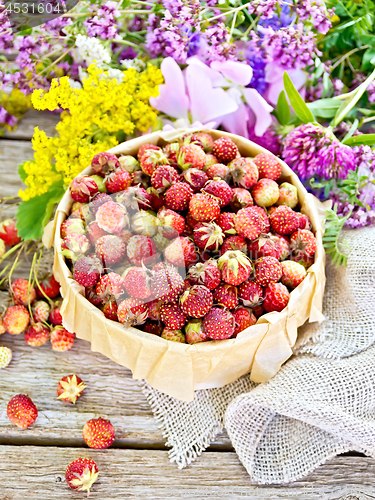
231,11
348,54
30,285
10,251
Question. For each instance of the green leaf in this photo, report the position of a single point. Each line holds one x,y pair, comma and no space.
21,171
325,108
332,241
353,128
33,214
296,101
283,109
368,139
26,31
368,58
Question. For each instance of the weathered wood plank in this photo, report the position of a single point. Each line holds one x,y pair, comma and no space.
12,153
31,119
148,474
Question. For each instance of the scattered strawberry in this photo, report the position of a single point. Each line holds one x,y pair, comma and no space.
173,335
208,236
276,297
267,270
224,149
8,232
284,220
234,243
55,314
172,316
206,274
204,208
268,166
293,273
16,319
178,196
61,339
265,192
288,195
37,335
181,252
235,267
112,217
83,188
167,284
132,311
22,291
117,181
248,223
5,357
103,163
137,281
219,324
81,474
22,411
191,156
244,172
98,433
141,249
171,223
110,249
226,295
241,199
196,178
163,177
303,241
194,332
196,301
244,318
250,293
87,270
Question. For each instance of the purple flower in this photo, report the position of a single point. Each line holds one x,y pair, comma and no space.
276,22
103,25
258,81
264,8
6,118
269,140
316,12
6,34
219,48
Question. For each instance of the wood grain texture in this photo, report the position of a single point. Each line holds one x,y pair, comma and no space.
12,153
148,474
32,118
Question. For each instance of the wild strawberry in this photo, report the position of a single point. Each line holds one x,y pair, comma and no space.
265,192
171,150
268,166
302,259
250,293
87,270
152,327
2,326
83,188
244,172
226,222
220,190
75,245
23,292
103,163
48,286
267,270
196,301
22,411
55,314
196,178
206,140
173,335
156,199
206,274
94,232
92,297
208,236
167,285
138,282
117,181
171,223
210,160
110,309
112,217
41,310
151,159
178,196
191,221
146,147
37,335
70,388
276,297
8,232
288,195
132,311
204,208
163,177
235,267
304,221
244,318
263,214
81,211
191,156
194,332
172,316
258,310
81,474
265,246
61,339
181,252
111,286
153,308
219,324
284,245
135,198
70,226
303,241
5,357
16,319
110,249
241,199
226,295
141,249
234,243
284,220
98,433
98,200
248,223
100,182
224,149
2,248
129,163
144,223
293,273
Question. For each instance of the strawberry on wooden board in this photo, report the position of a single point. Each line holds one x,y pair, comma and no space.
16,319
22,411
98,433
69,388
8,232
81,474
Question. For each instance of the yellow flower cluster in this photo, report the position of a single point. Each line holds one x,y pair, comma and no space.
98,115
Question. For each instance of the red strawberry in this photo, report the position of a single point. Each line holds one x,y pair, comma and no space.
191,156
173,335
206,140
98,433
248,223
244,172
152,327
172,316
284,220
92,296
70,388
266,222
276,297
204,208
87,270
153,308
95,232
293,273
221,190
265,246
132,311
210,160
138,282
171,150
268,165
181,252
191,221
284,245
226,222
196,178
83,188
135,198
75,245
218,171
8,232
208,236
141,249
241,199
117,181
22,292
37,335
151,159
244,318
167,284
303,241
194,332
61,339
196,301
98,200
235,267
70,226
302,259
250,293
171,223
178,196
146,147
16,319
49,286
41,311
267,270
163,177
265,192
156,199
110,249
234,243
288,195
304,221
22,411
103,163
112,217
206,274
258,310
219,324
55,315
81,474
110,310
111,286
227,296
224,149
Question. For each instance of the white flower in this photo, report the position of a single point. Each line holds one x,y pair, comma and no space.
91,51
136,63
115,73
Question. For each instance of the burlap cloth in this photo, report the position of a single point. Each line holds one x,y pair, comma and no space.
320,404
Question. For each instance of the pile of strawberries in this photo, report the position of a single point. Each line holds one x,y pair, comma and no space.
192,241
